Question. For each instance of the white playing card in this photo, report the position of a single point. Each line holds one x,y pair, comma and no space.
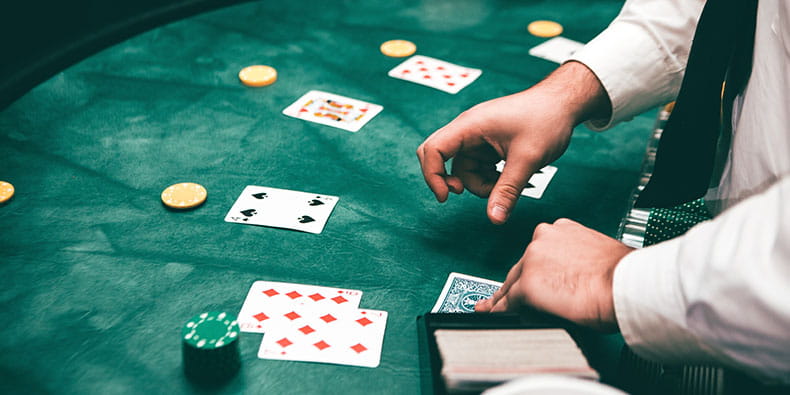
557,50
282,208
435,73
349,337
270,304
537,183
333,110
461,292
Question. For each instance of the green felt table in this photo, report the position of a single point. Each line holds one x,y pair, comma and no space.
97,277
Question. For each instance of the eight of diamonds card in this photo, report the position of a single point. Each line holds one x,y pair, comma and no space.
333,110
461,292
282,208
269,303
349,337
435,73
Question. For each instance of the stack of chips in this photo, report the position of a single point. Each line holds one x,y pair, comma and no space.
211,347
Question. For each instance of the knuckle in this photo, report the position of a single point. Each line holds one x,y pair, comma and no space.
509,191
540,230
563,221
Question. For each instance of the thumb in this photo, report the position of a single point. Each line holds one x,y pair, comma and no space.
507,190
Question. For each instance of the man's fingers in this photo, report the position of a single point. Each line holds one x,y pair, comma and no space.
507,189
433,153
512,277
433,171
476,175
511,300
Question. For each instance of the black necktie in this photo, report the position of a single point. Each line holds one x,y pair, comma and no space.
722,48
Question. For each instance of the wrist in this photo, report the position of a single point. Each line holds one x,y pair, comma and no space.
580,95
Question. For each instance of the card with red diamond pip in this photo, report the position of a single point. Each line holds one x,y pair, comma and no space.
270,304
435,73
345,337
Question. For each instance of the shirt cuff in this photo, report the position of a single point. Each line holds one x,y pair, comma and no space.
650,306
633,69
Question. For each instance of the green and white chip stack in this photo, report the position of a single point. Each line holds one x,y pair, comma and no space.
210,344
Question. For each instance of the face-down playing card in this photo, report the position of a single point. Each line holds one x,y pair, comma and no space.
270,304
461,292
282,208
333,110
435,73
347,337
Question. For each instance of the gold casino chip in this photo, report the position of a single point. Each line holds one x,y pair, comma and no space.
545,28
184,195
258,75
398,48
6,191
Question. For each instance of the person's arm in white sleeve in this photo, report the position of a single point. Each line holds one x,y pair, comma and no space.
721,292
641,57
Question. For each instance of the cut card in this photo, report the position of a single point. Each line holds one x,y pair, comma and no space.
461,292
537,183
558,49
435,73
282,208
350,337
333,110
270,304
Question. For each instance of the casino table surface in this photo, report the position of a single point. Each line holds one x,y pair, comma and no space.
98,276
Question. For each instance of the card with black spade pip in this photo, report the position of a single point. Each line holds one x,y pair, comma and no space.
537,183
282,208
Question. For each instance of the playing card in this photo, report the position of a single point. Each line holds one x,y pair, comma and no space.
537,183
270,304
557,50
282,208
461,292
333,110
348,337
435,73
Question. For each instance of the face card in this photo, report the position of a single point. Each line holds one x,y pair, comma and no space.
282,208
537,183
435,73
350,337
557,50
461,292
271,304
333,110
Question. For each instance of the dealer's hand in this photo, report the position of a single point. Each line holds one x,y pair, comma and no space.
566,270
529,129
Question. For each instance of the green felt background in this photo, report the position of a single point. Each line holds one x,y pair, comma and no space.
97,277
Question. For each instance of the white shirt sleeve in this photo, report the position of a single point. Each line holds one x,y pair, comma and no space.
721,292
641,57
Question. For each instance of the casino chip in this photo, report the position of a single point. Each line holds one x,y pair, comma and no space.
184,195
258,75
545,28
210,347
398,48
6,191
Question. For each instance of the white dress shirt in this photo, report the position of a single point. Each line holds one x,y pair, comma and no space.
721,292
